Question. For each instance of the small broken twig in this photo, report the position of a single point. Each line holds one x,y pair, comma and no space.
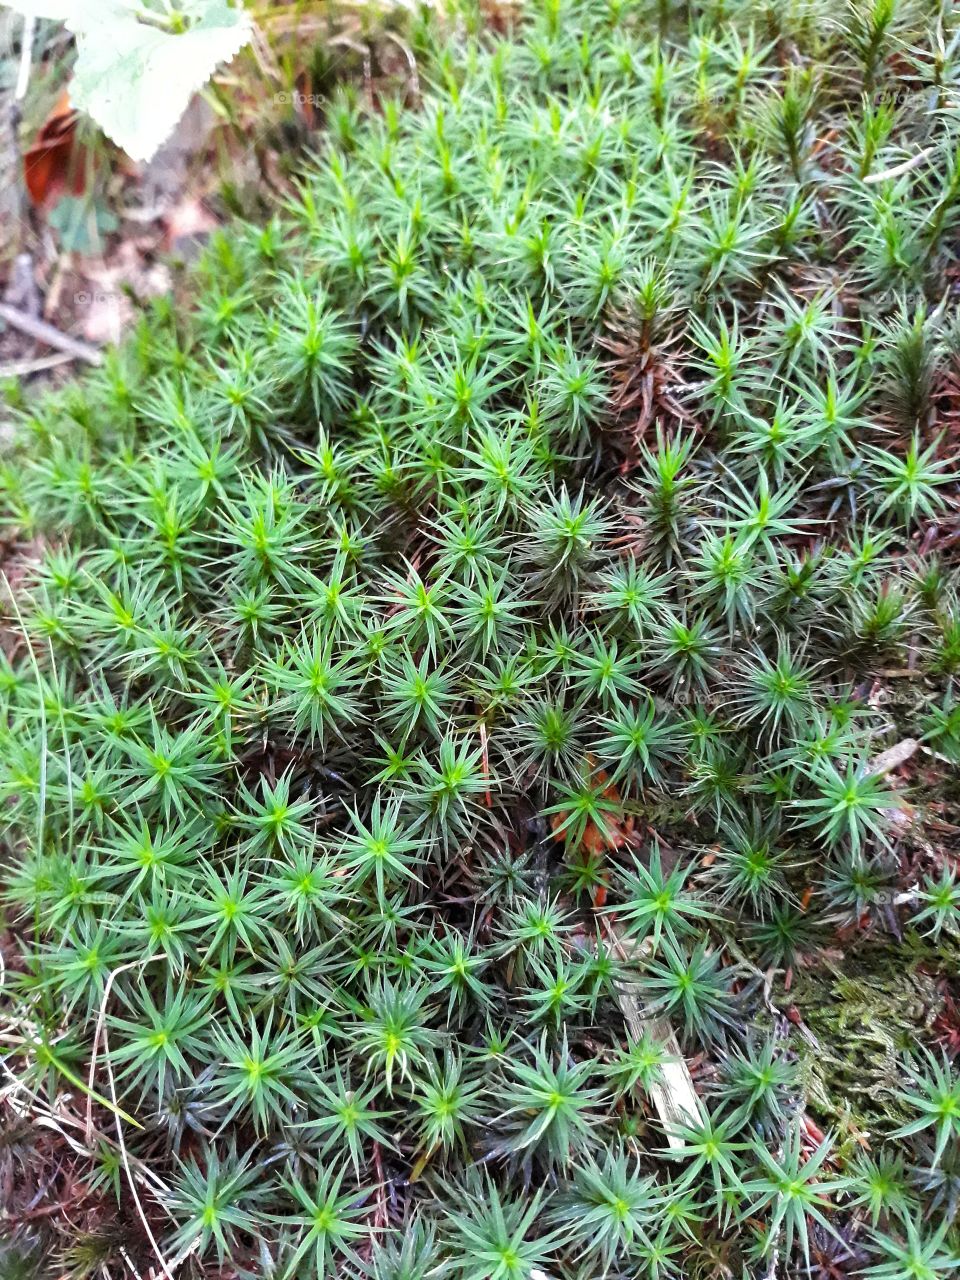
893,757
20,368
673,1095
26,58
49,335
899,170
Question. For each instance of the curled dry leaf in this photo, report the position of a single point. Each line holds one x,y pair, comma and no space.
56,164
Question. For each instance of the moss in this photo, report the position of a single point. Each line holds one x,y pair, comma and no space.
493,567
860,1016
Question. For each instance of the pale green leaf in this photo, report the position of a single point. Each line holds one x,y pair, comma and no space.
57,10
134,75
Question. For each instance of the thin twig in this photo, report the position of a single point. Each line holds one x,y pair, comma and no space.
48,334
488,798
899,170
264,55
21,368
26,58
893,757
35,666
41,1211
673,1094
411,64
124,1156
99,1030
186,1252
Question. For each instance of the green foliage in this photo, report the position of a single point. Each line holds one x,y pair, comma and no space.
483,608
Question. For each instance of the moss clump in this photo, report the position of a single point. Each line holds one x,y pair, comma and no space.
497,562
863,1014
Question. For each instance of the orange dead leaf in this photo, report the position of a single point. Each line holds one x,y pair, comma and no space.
619,828
55,165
